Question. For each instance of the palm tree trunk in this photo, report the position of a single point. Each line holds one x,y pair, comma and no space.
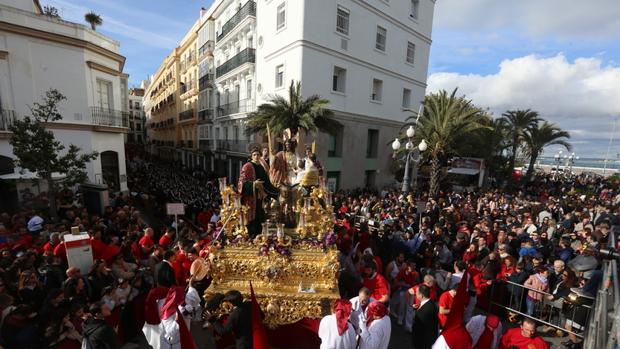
51,197
513,157
530,168
435,173
92,25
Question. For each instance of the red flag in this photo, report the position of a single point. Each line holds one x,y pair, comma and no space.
454,332
259,336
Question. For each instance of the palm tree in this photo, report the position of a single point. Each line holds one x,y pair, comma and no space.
294,114
542,135
447,121
518,121
94,19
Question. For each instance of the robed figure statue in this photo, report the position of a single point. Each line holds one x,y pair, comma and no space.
255,186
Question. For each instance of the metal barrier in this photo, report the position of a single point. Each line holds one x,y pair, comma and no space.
513,298
603,330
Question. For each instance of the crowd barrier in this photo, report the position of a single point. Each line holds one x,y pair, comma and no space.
603,330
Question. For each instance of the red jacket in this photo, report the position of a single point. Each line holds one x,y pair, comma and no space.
377,285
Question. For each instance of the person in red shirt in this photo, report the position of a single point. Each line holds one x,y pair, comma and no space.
429,281
375,282
98,247
167,239
204,217
523,337
146,244
49,247
406,278
445,304
471,254
508,267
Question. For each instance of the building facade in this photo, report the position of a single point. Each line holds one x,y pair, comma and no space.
369,58
38,53
137,118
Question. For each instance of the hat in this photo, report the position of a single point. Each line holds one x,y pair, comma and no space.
492,321
199,269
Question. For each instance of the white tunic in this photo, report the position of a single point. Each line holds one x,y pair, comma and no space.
440,343
476,326
328,332
166,334
377,336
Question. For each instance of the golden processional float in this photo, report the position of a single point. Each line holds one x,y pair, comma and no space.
293,267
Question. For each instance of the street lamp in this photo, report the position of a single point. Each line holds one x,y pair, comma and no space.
558,160
412,154
571,162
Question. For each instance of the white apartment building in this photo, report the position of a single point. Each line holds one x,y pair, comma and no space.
137,119
38,53
368,57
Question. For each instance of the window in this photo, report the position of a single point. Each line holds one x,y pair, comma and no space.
369,178
406,98
217,133
248,89
138,127
377,89
410,52
334,144
372,144
333,180
235,133
279,76
250,42
104,94
339,79
281,16
415,4
381,38
342,21
226,133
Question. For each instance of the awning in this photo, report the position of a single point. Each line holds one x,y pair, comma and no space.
464,171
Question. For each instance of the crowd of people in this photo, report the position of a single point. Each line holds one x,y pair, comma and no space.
402,261
526,251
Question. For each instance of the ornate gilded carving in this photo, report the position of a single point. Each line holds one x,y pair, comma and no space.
287,288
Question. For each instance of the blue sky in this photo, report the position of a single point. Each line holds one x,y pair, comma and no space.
554,56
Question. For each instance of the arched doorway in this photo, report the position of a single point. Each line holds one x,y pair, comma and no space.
110,170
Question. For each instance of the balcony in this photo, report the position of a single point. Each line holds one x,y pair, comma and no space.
205,115
249,9
205,81
205,144
186,115
109,117
6,119
206,50
246,56
240,106
234,146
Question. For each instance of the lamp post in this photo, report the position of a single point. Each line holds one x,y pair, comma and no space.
558,159
412,154
571,162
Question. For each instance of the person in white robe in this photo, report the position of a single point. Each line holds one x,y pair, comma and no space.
487,325
358,307
376,331
336,331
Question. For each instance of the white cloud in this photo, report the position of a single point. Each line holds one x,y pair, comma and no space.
595,18
580,96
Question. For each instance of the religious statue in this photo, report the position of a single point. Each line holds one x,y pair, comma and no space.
284,169
255,186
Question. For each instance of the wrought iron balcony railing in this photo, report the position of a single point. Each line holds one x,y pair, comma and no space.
206,49
249,9
109,117
205,144
240,106
6,119
186,115
246,56
235,146
205,115
205,81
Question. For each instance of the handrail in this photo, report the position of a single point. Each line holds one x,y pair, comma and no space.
249,9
